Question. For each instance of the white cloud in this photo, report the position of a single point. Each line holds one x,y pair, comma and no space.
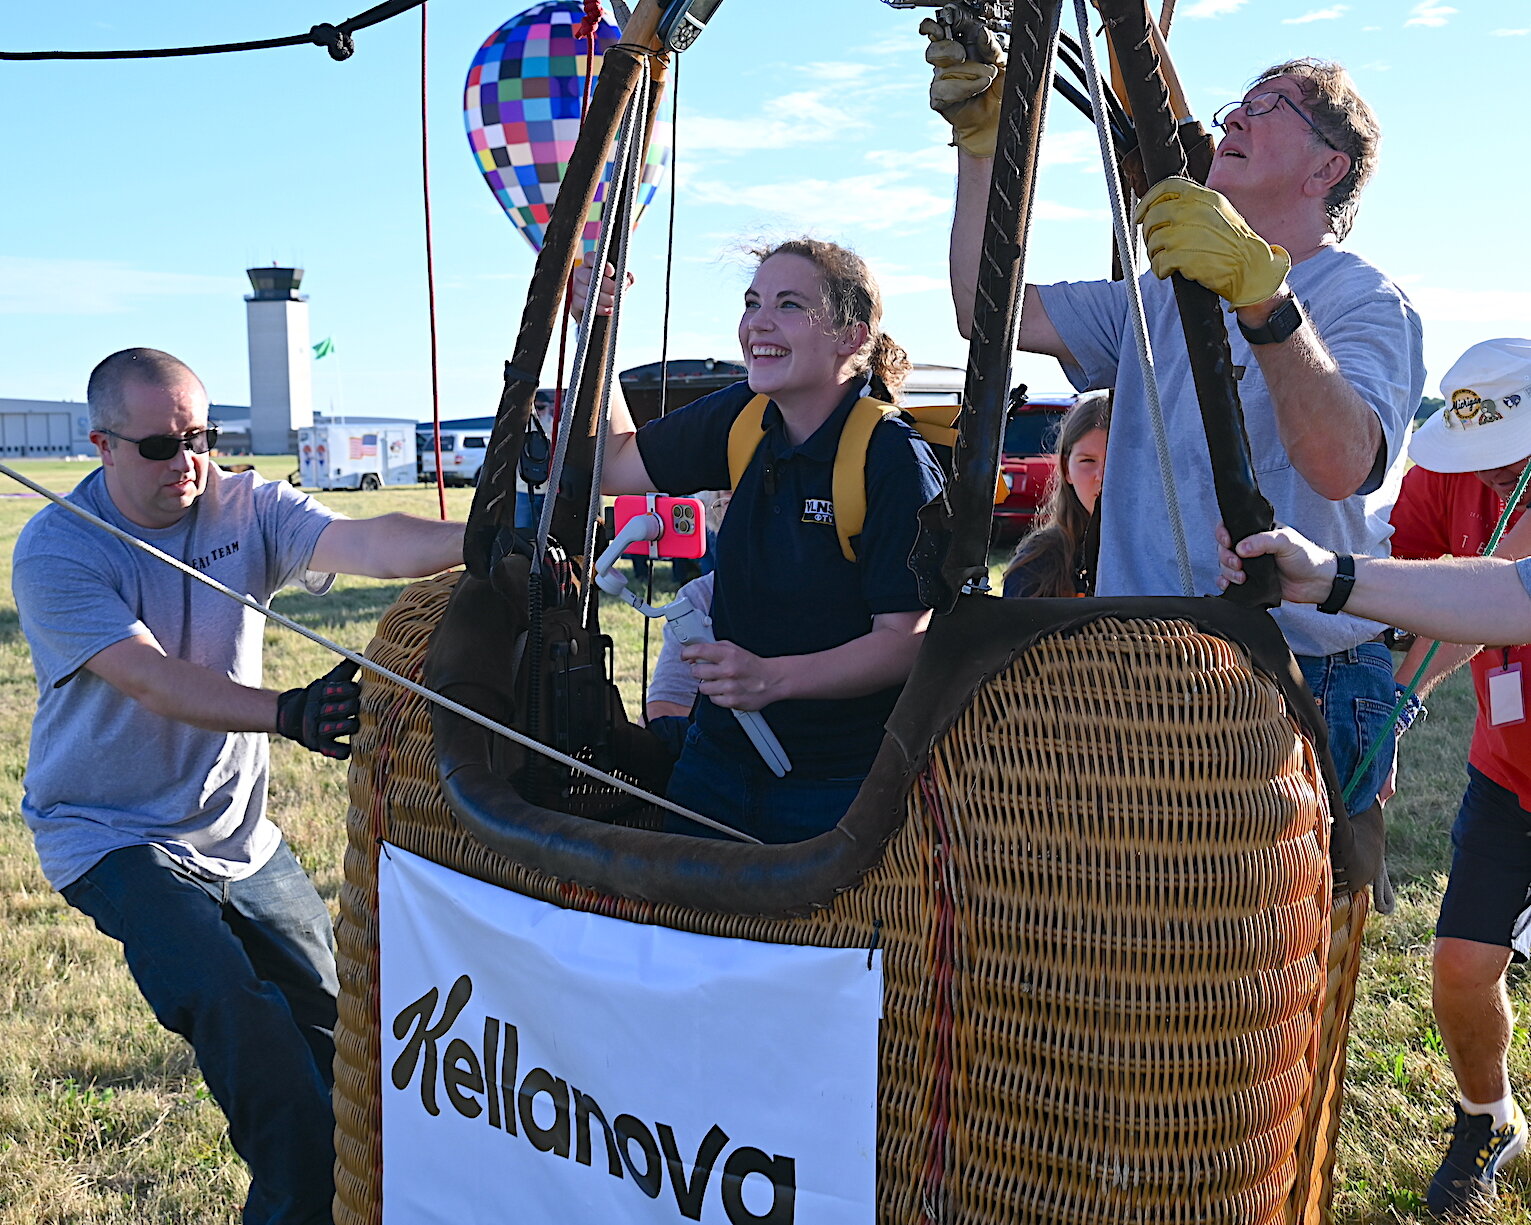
1051,210
875,201
838,71
790,119
1428,13
1072,148
1510,33
1444,304
932,159
844,97
35,286
894,44
899,192
895,284
1211,8
1333,13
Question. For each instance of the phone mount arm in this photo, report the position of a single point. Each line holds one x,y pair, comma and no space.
688,623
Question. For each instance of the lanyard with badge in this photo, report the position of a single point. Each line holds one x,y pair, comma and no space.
1506,697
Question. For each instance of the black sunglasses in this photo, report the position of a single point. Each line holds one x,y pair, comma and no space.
164,446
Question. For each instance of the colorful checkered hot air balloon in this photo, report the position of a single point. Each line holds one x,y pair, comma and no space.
522,107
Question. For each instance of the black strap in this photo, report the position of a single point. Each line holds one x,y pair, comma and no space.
1344,583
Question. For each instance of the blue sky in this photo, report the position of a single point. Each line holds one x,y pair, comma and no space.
137,192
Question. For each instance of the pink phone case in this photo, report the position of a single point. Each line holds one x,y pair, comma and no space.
685,525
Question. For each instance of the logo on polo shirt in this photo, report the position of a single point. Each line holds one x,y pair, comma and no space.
818,510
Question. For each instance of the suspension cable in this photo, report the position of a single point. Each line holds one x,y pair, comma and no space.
334,38
1126,243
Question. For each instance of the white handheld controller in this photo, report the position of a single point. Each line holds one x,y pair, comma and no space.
690,625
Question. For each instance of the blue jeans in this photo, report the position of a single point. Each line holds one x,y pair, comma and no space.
245,972
1355,692
747,796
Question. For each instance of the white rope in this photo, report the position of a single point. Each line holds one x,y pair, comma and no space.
1127,244
361,660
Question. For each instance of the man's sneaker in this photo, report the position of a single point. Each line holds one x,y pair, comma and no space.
1478,1151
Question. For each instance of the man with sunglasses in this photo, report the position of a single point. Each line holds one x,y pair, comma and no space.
146,783
1327,350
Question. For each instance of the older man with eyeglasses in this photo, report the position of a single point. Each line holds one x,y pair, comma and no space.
1327,349
146,784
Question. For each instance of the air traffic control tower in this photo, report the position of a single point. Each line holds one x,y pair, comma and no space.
281,362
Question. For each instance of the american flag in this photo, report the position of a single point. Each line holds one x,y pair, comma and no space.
364,446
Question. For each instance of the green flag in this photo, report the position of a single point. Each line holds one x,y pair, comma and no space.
324,348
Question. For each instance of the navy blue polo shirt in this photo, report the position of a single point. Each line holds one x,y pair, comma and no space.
783,586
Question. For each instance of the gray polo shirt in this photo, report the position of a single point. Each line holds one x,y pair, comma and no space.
104,772
1373,333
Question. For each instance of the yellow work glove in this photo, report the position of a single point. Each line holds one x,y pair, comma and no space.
1194,231
969,80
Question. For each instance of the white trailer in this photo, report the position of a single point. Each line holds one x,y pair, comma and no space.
356,454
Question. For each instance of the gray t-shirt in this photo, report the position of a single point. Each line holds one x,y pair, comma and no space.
104,772
1374,335
672,680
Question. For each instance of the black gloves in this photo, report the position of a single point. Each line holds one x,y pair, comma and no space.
317,716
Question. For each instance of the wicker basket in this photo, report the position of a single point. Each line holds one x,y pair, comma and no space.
1115,990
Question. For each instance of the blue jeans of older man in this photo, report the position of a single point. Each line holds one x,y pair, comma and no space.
1355,692
244,971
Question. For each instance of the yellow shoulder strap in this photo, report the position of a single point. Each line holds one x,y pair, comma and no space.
937,425
744,437
848,486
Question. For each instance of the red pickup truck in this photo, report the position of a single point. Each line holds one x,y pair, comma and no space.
1028,461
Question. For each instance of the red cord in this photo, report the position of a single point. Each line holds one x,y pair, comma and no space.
430,269
593,15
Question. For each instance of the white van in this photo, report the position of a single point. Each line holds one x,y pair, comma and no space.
462,453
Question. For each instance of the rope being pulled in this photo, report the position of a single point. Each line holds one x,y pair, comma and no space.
334,38
360,660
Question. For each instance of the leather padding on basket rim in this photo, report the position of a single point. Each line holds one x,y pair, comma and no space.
963,650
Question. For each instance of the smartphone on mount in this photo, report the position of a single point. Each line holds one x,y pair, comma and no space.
684,520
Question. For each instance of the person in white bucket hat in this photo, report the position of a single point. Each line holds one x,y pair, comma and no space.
1469,458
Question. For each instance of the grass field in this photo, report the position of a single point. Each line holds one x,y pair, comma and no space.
104,1119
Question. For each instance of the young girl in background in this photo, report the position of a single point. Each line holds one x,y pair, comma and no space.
1049,561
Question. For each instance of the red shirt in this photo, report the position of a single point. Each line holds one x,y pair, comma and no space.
1454,513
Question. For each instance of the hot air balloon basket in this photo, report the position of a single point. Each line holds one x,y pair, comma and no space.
1116,985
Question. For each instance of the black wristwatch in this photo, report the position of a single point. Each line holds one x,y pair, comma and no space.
1284,320
1344,583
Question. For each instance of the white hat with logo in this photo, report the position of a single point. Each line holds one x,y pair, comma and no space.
1486,422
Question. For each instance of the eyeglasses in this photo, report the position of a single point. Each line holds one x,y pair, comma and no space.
1264,104
166,446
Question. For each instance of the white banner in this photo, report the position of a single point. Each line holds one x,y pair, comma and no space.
549,1067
